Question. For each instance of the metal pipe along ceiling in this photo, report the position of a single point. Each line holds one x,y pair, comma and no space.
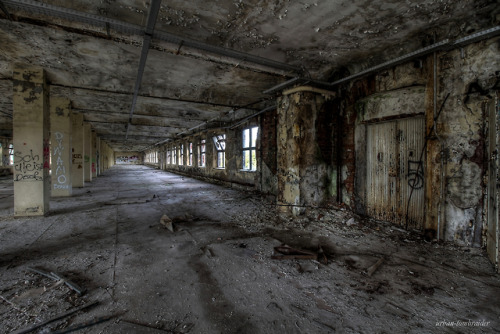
443,45
153,14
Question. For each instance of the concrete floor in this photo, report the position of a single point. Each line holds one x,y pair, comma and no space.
214,273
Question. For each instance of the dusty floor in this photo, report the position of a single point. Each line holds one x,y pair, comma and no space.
215,273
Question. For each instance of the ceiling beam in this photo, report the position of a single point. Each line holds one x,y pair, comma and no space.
148,33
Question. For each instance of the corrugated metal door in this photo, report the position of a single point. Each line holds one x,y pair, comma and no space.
395,174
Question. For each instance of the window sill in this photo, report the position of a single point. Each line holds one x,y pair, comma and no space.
248,171
220,168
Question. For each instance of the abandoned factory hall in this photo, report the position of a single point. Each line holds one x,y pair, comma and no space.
261,166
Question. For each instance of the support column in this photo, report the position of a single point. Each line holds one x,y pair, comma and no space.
4,153
93,155
98,156
31,142
77,141
101,156
60,138
87,153
304,149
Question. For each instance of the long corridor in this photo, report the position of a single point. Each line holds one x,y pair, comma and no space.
214,273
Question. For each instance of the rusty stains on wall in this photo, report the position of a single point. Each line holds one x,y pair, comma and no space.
455,160
305,148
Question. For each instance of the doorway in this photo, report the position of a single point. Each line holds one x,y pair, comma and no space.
395,171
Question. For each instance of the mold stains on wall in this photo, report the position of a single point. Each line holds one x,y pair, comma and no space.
305,149
456,163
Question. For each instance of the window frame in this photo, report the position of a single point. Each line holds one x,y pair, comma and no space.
181,155
190,154
251,149
220,148
202,153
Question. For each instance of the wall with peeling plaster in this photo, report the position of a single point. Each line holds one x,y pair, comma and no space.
455,162
305,150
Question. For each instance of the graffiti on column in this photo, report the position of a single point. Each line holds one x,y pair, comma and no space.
60,172
28,167
46,154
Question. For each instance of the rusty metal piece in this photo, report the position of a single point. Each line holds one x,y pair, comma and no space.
59,277
293,254
70,284
287,250
57,317
374,267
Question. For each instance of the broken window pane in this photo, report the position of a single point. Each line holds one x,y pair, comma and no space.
220,146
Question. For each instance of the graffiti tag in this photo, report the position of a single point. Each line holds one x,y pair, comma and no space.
28,167
60,172
415,174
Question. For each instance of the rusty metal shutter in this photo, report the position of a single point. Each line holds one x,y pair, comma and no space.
395,171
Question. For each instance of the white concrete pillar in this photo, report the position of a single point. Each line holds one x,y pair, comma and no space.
77,141
31,125
87,152
60,140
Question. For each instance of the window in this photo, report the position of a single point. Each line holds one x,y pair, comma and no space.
174,156
169,157
11,154
190,154
250,148
202,149
220,146
181,155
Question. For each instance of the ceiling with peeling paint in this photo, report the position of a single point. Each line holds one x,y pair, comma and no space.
209,62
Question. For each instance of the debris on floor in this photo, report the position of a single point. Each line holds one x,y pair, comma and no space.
373,268
167,223
55,318
289,253
58,277
216,274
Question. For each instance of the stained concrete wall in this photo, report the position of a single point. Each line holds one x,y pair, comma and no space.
107,156
263,179
456,162
305,171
